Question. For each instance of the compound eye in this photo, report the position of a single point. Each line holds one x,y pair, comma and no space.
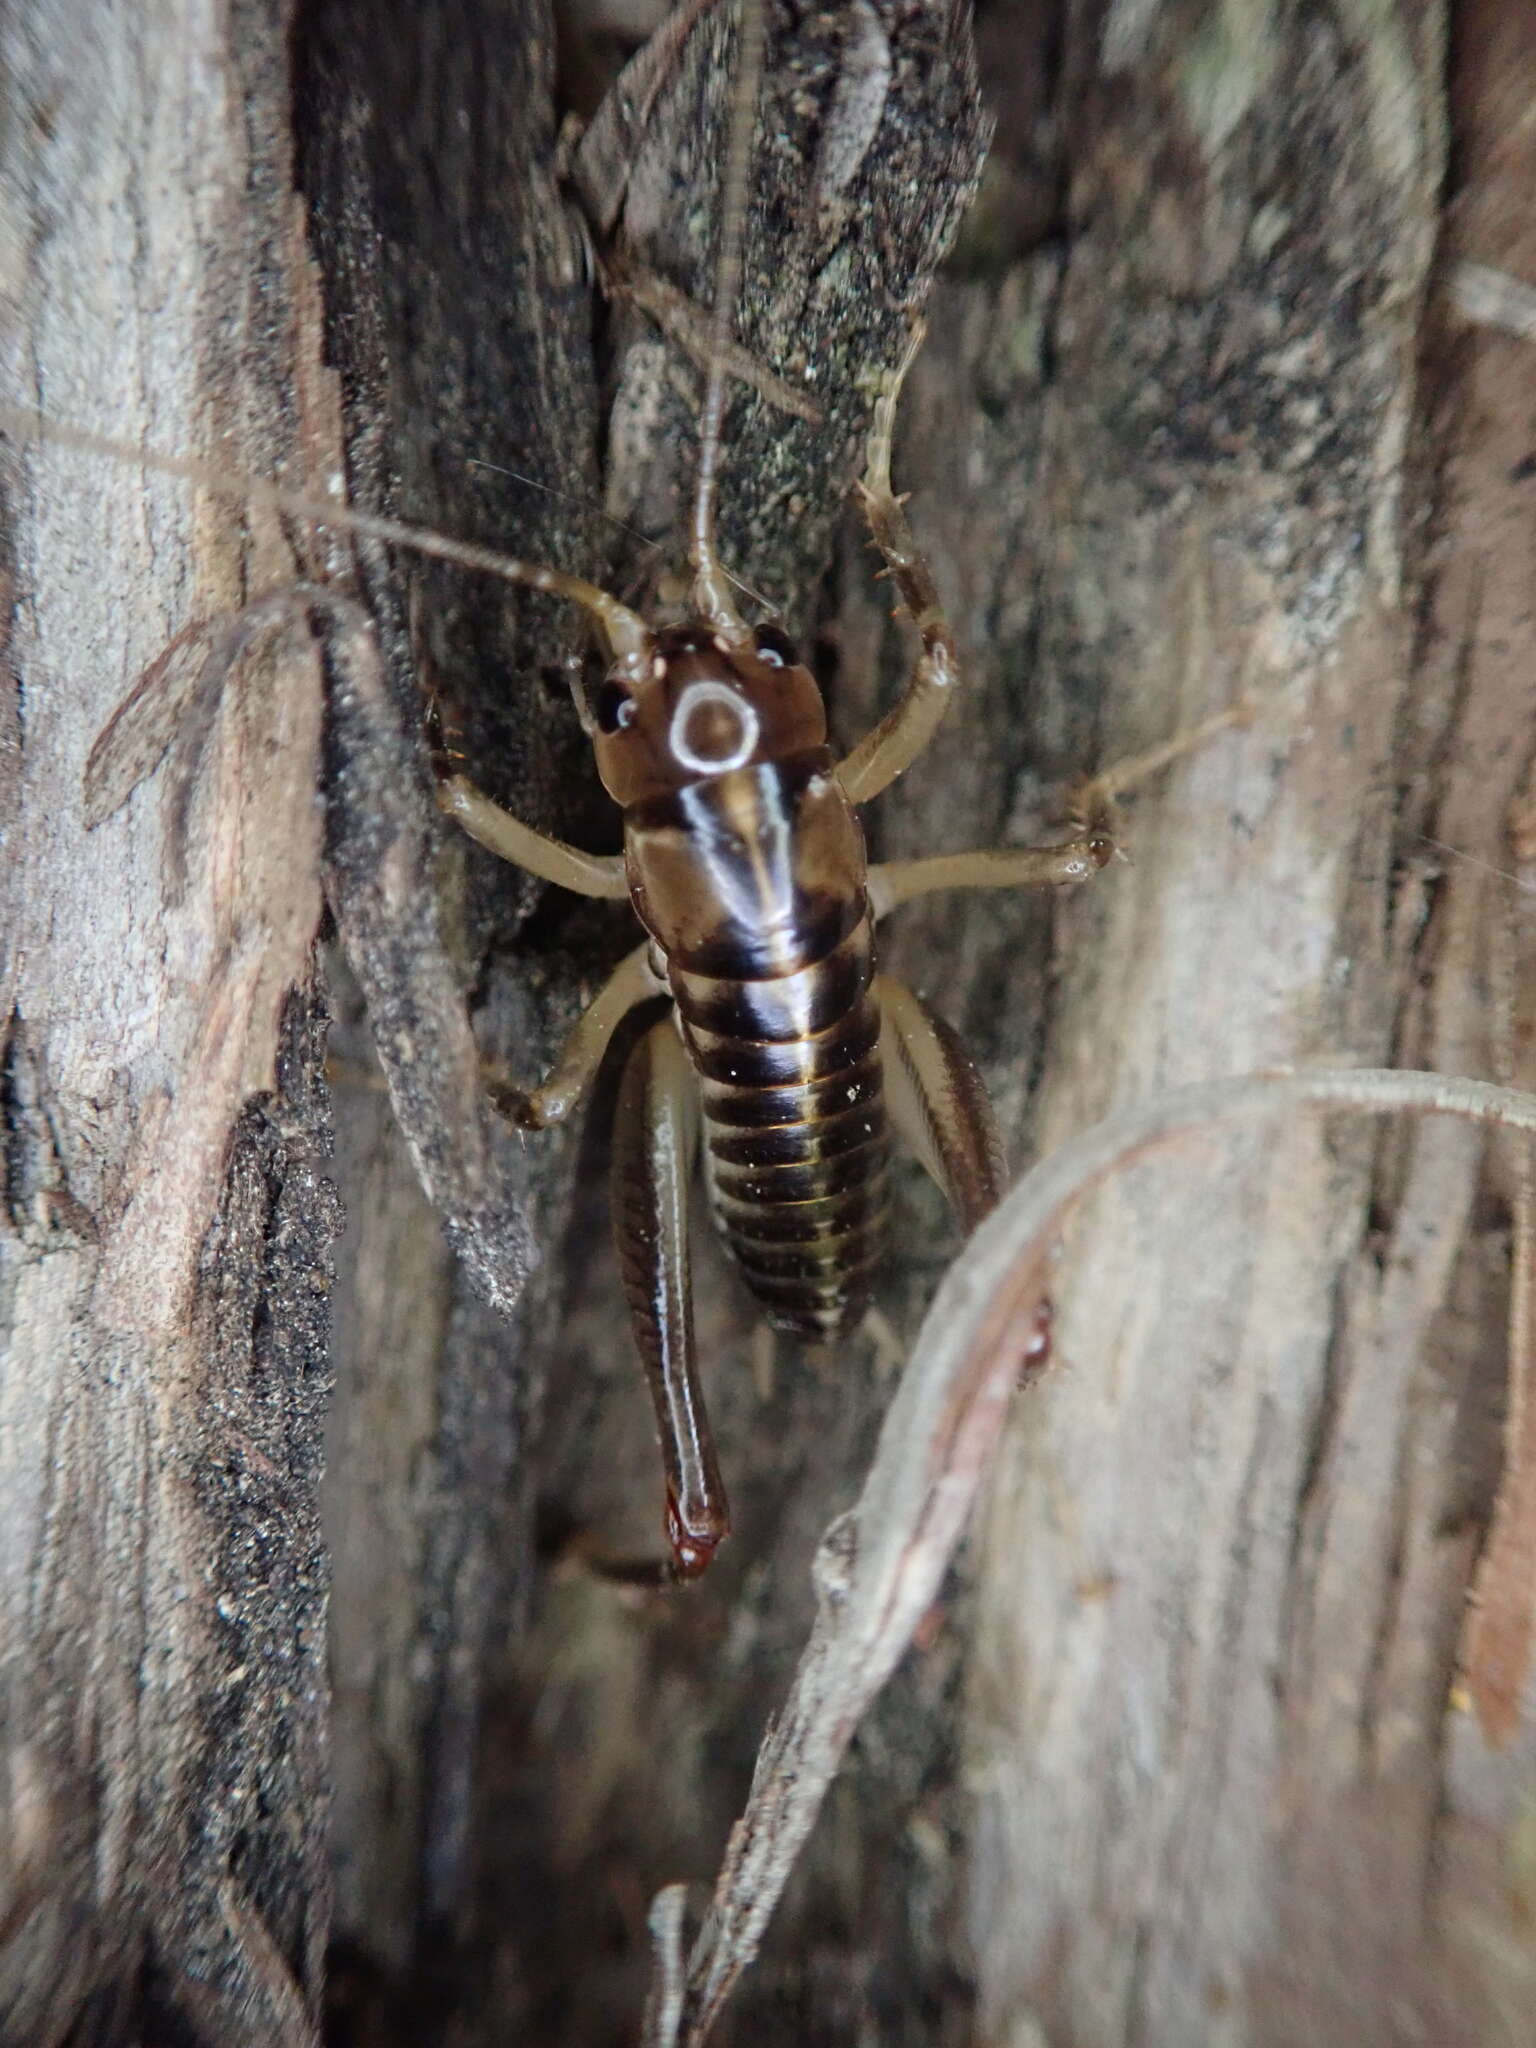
614,708
776,648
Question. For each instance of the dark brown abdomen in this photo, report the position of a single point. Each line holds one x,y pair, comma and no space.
754,885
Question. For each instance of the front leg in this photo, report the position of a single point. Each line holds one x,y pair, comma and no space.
906,729
655,1146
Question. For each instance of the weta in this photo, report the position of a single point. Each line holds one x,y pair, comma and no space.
787,1060
785,1051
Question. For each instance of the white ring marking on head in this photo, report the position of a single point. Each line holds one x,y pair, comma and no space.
693,698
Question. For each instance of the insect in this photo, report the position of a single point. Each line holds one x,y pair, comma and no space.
786,1060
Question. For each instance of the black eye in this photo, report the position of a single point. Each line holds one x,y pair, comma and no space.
776,648
615,707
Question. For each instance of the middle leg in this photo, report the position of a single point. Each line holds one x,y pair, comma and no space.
633,981
1093,811
893,882
584,874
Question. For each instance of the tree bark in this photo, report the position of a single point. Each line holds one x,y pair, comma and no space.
1232,1785
1201,1743
168,1214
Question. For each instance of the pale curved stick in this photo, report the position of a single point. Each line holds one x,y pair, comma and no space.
880,1566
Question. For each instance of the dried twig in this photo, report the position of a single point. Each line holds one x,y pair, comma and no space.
669,1980
880,1565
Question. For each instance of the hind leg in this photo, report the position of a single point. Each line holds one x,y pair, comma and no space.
937,1102
655,1148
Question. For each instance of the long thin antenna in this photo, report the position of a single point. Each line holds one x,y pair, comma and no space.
576,498
711,591
628,636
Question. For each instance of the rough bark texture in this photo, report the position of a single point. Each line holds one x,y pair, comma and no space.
168,1211
1197,1749
1227,1786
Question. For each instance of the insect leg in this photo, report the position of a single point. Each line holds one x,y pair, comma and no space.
906,729
937,1102
655,1145
631,982
585,874
1045,867
1094,802
1001,867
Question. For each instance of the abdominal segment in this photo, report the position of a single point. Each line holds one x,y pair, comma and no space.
798,1174
754,887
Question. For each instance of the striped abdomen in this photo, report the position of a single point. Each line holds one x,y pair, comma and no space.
753,884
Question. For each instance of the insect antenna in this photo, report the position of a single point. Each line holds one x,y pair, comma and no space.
627,635
711,586
584,504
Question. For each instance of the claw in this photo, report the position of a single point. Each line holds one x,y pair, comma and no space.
519,1109
693,1549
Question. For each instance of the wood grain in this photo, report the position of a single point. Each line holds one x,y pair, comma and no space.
168,1216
